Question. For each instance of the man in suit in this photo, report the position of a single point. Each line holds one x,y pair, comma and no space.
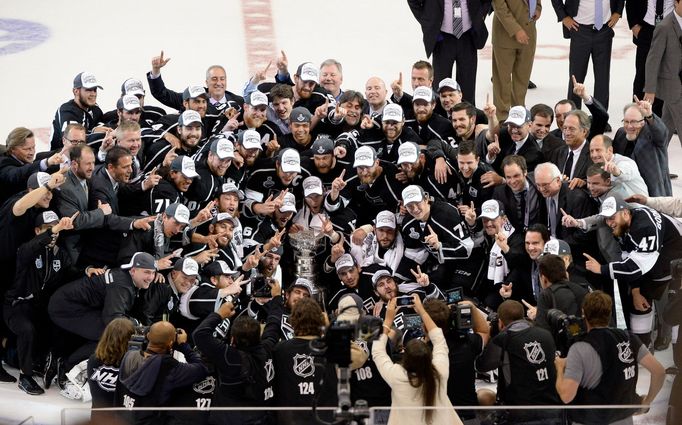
541,117
452,31
643,17
644,138
518,195
663,71
515,139
514,38
600,116
589,25
573,158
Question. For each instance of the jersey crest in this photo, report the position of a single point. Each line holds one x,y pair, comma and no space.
534,352
304,365
625,352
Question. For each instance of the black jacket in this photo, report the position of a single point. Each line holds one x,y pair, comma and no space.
69,113
14,174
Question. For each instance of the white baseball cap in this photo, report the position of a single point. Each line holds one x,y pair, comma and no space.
179,212
408,152
364,157
422,93
392,112
288,203
346,260
611,206
223,148
312,185
185,165
257,98
385,219
85,80
308,72
188,117
290,160
518,115
450,83
491,209
188,266
250,139
412,193
132,86
128,102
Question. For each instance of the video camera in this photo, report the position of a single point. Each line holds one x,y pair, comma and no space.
138,340
565,329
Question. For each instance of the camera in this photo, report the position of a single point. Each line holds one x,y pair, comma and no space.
461,317
454,295
262,287
138,340
565,329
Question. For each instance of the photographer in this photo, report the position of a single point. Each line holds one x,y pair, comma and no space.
463,348
601,369
103,367
523,354
244,365
557,291
420,380
149,378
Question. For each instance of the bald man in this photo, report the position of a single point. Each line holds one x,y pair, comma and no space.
375,93
150,378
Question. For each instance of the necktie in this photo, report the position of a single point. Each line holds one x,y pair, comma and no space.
521,206
535,278
568,166
598,14
85,188
659,11
552,216
457,24
532,5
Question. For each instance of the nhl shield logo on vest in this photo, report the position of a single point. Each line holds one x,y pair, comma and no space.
534,352
304,365
625,352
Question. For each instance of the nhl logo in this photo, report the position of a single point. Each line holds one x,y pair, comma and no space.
269,370
207,386
625,352
304,365
534,352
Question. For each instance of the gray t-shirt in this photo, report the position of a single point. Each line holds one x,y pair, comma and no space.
583,365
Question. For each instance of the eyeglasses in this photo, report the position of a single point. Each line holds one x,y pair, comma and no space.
631,122
75,142
545,185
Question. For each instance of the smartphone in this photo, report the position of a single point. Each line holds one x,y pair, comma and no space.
404,300
455,295
412,321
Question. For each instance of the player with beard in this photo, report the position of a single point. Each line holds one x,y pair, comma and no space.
299,137
248,150
435,237
371,189
418,167
449,95
325,165
380,243
173,186
351,281
307,91
312,215
82,109
253,117
149,114
345,117
211,171
426,124
272,227
385,139
278,308
189,133
264,182
649,241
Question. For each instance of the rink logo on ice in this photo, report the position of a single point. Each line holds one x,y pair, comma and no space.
17,35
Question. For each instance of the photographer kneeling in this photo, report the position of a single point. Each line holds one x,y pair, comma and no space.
148,378
602,369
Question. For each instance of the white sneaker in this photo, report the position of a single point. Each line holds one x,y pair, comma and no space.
71,391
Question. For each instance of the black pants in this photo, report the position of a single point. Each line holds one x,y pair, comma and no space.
20,320
451,50
586,43
643,43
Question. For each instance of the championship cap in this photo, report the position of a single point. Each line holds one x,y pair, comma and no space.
412,193
308,72
179,212
222,147
379,274
185,165
141,260
128,102
385,219
250,139
257,98
300,114
302,282
132,86
611,206
46,217
188,266
518,115
408,152
392,112
217,268
37,180
288,203
85,80
492,209
557,247
228,187
290,160
192,92
312,186
364,157
322,146
422,93
449,83
344,261
220,217
189,117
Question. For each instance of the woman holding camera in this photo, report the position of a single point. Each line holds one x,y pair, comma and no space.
104,363
420,380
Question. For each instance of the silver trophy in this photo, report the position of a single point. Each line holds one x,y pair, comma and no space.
305,244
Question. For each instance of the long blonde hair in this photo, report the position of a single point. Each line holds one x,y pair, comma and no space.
114,341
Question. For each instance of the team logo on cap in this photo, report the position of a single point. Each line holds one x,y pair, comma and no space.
320,150
364,157
304,365
534,352
490,209
88,79
517,114
300,118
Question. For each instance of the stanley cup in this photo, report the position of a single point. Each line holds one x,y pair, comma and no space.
305,243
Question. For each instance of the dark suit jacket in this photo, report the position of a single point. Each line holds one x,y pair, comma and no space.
564,8
13,175
663,62
582,163
550,143
429,14
535,205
